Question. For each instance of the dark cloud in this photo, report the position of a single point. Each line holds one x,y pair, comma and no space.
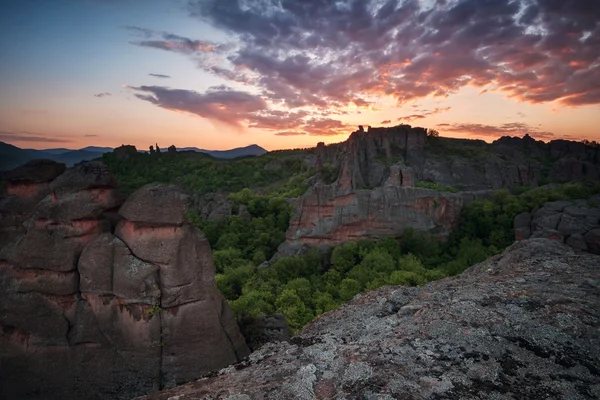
325,53
186,46
160,76
102,94
325,127
175,43
385,122
229,107
137,31
423,114
411,117
237,109
22,136
278,120
511,128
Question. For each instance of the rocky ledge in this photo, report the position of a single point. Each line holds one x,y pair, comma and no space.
521,325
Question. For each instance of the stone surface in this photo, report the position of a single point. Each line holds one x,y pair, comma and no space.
147,205
522,226
84,176
521,325
327,215
264,329
86,313
212,206
34,171
576,223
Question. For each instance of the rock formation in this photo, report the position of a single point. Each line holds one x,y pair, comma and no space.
328,215
576,223
521,325
97,305
375,194
126,151
212,206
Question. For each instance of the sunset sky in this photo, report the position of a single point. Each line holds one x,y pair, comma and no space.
219,74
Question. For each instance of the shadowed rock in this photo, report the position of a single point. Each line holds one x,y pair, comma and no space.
576,223
87,314
156,204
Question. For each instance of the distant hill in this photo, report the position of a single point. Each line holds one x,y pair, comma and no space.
50,151
97,149
73,157
252,150
13,156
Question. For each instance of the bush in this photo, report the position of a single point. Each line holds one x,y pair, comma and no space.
436,186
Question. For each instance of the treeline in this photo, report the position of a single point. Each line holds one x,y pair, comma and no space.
201,173
308,285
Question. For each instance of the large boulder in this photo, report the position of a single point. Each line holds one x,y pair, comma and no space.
34,171
197,326
522,225
521,325
576,223
88,313
156,204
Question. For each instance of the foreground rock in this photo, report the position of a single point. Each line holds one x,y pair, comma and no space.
521,325
94,305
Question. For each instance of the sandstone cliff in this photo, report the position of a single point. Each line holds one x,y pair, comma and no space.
374,194
521,325
95,304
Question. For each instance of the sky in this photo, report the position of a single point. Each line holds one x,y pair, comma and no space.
219,74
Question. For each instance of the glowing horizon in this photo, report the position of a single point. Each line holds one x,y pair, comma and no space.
215,75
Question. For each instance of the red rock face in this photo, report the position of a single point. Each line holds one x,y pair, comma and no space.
25,189
328,215
369,200
87,313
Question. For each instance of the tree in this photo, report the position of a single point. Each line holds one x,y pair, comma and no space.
349,288
344,257
294,309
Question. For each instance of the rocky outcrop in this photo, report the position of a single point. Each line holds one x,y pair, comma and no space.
94,305
212,206
264,329
125,151
375,194
520,325
576,223
328,215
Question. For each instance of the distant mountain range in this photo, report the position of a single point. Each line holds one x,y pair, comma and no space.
13,156
252,150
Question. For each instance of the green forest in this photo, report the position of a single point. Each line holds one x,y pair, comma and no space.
305,286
